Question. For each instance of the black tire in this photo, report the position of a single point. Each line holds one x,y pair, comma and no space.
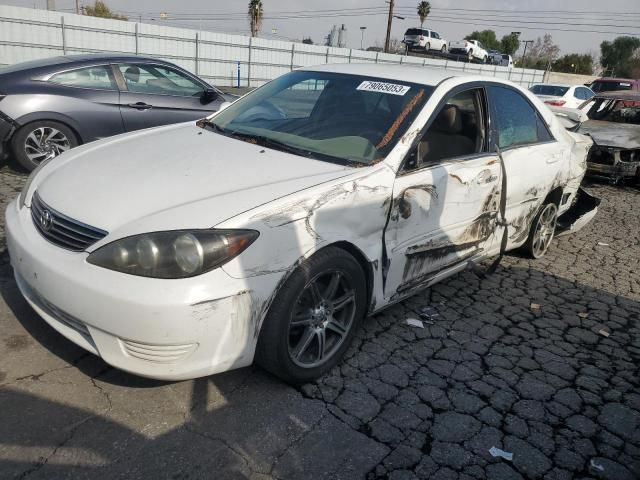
29,155
533,247
444,49
427,47
274,351
485,59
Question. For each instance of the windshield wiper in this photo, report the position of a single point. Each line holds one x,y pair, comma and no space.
269,142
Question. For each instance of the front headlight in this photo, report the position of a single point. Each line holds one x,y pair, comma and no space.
23,194
174,254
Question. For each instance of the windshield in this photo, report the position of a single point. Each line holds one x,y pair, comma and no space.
413,31
551,90
609,86
335,117
618,111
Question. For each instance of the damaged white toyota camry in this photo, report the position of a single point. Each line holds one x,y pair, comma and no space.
272,228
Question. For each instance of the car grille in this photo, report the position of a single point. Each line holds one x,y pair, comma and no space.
601,157
62,230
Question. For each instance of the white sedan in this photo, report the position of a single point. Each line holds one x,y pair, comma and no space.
566,96
272,228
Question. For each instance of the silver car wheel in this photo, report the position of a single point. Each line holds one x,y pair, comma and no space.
45,142
324,315
544,230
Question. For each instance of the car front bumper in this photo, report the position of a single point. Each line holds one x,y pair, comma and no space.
163,329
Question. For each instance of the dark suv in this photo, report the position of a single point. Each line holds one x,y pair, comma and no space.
51,105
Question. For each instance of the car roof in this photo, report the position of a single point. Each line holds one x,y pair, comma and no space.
415,74
68,60
611,79
620,95
555,85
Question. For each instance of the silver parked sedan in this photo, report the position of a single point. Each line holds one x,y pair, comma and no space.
51,105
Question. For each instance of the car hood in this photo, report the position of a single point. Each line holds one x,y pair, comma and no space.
611,134
179,176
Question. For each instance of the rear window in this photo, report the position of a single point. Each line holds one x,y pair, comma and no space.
602,86
97,77
551,90
414,31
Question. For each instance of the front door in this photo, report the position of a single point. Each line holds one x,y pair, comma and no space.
445,200
155,95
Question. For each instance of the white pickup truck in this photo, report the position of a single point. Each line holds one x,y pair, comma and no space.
471,48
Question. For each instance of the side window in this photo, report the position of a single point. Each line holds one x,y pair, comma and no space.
156,79
586,93
458,130
99,77
577,93
516,121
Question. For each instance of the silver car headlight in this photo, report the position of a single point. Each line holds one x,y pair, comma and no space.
174,254
23,194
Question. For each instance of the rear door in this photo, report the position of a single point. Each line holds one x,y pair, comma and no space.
89,95
445,198
532,157
156,94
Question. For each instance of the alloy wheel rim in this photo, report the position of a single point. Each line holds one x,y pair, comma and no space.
45,142
321,320
545,229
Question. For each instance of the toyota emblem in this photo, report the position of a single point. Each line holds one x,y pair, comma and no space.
46,220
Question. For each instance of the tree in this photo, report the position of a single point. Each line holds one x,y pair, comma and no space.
424,9
307,41
486,37
510,44
256,14
101,10
620,57
542,54
574,63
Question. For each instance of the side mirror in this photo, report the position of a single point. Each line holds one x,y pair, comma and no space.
209,94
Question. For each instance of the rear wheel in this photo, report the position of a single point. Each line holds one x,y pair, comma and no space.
39,140
542,230
427,47
313,317
470,55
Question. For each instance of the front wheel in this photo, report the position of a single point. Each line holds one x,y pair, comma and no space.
313,317
542,230
470,55
427,47
39,140
444,49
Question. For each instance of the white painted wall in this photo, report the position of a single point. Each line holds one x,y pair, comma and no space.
28,34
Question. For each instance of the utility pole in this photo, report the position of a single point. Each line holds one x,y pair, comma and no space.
51,4
77,7
362,29
388,39
524,54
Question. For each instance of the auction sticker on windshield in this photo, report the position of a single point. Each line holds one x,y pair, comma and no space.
382,87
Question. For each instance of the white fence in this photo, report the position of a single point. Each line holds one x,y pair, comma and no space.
221,59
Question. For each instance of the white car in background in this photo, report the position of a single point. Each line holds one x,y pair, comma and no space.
424,39
270,229
472,49
558,95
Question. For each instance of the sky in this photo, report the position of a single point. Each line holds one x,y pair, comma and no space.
453,19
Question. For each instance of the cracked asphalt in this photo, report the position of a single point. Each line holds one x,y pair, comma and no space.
540,360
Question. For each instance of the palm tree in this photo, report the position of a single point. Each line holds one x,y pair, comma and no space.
256,13
424,9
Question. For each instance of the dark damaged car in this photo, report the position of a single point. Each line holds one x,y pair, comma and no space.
614,125
272,228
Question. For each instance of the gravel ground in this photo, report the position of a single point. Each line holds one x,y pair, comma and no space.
514,361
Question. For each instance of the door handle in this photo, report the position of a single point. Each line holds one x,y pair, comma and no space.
140,106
